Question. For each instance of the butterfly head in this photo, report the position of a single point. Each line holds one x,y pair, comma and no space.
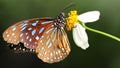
60,20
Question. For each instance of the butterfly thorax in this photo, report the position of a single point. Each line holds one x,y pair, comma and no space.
60,20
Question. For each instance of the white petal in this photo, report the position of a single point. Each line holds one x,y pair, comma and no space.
80,37
90,16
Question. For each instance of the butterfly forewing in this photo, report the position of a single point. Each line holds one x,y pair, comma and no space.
53,46
27,32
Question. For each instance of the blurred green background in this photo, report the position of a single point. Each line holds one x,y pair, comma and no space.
102,53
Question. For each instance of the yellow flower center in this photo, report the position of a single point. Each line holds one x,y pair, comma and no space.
72,19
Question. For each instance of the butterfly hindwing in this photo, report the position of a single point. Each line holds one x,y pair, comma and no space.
53,46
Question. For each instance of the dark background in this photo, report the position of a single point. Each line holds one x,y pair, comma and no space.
102,53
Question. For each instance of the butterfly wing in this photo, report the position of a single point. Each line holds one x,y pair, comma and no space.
51,42
11,35
27,32
53,46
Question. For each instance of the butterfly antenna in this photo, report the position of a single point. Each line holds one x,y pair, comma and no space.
68,6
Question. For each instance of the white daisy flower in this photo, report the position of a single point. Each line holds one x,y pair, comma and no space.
79,34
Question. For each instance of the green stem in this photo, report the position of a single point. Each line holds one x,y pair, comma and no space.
100,32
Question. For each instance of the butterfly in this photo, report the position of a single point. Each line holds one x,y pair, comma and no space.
46,36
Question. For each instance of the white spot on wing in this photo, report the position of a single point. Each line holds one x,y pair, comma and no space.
41,30
26,33
13,34
8,35
56,52
49,45
23,29
27,37
37,37
14,48
6,32
14,28
46,22
45,53
61,57
63,49
19,48
42,48
35,23
9,39
29,28
40,41
23,49
23,25
21,35
51,54
39,54
27,44
24,42
30,39
33,32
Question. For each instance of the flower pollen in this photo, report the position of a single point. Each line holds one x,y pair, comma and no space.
72,19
